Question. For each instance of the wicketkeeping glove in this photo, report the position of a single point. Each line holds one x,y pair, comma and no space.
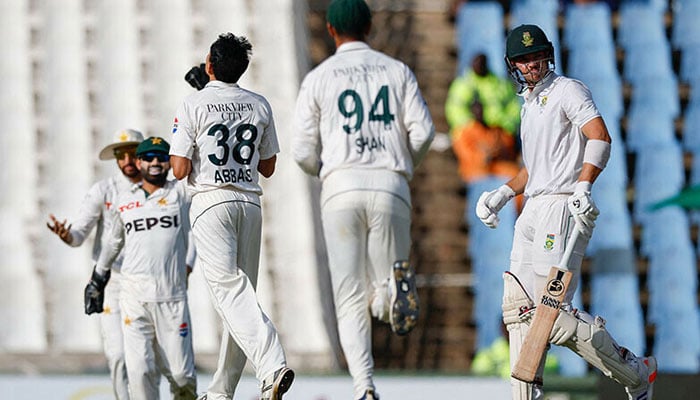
197,77
583,208
490,203
95,292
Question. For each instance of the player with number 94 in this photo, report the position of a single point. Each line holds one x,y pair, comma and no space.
362,126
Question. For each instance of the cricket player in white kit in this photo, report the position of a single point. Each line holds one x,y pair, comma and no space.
151,224
565,146
96,203
223,138
362,126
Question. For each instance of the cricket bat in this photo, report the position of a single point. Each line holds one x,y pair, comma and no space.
546,313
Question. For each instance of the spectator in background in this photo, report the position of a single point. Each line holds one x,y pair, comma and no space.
501,106
483,150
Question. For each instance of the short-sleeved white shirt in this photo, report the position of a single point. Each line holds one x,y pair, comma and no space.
360,109
225,130
552,142
153,231
95,204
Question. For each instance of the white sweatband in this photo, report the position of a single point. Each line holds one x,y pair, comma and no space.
597,152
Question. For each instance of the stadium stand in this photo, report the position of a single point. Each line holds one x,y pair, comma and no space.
659,174
588,25
685,30
21,291
641,24
649,125
479,28
68,135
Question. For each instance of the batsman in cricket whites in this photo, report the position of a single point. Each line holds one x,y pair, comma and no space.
565,146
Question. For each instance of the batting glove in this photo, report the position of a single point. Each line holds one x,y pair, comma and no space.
95,292
490,203
583,208
197,77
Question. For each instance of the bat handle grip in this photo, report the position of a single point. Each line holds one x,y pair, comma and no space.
569,249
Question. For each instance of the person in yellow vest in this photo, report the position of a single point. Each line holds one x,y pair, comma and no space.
501,105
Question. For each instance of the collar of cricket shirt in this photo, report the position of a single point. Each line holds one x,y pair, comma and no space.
350,46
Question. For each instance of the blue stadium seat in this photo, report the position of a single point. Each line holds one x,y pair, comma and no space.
691,128
588,63
659,173
665,228
614,224
641,24
480,29
607,94
648,125
672,308
644,65
661,95
588,25
690,59
685,31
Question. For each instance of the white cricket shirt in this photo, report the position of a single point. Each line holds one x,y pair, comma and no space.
552,142
97,201
153,231
360,109
225,130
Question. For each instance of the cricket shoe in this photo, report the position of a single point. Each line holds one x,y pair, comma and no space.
647,372
202,397
277,384
370,394
403,312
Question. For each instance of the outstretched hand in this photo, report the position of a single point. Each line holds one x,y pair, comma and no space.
60,229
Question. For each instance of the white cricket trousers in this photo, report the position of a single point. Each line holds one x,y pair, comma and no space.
226,225
365,232
112,338
158,333
541,233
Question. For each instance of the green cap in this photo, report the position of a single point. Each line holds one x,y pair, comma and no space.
526,39
153,144
349,16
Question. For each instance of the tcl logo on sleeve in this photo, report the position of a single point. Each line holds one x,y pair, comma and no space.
130,206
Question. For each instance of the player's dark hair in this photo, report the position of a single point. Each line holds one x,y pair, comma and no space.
229,56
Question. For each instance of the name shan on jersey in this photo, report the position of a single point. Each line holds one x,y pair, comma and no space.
233,175
369,143
231,111
148,223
